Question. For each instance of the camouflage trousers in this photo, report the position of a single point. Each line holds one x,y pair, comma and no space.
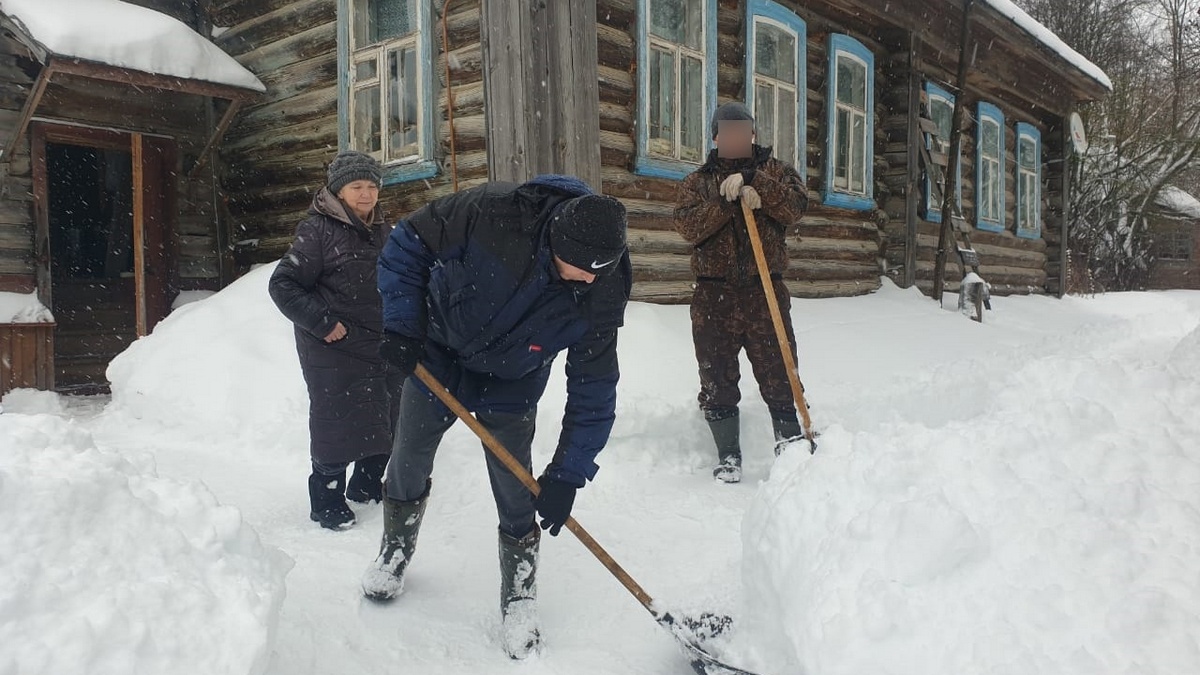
727,318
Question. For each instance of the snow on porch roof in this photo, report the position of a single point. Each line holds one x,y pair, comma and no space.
1052,41
127,36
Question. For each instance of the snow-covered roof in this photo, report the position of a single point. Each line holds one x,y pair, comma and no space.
120,34
1179,201
1048,38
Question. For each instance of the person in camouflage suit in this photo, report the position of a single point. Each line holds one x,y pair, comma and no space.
729,310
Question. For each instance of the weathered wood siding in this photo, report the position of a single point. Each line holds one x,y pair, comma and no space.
75,100
275,155
276,152
838,250
1010,71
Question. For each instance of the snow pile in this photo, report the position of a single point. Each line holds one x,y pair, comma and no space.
32,402
108,568
1047,37
225,367
127,36
23,308
188,297
1032,510
1174,199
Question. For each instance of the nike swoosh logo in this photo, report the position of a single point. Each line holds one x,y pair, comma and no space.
596,265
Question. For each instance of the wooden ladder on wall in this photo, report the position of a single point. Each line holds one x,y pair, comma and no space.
935,160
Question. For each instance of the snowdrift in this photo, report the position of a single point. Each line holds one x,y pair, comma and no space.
221,367
1035,510
108,568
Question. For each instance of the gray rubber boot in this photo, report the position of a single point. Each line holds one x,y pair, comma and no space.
787,431
518,594
384,579
726,433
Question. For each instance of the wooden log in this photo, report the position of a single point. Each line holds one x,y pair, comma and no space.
466,64
315,41
462,26
616,85
671,267
316,104
615,47
234,12
668,242
297,78
268,27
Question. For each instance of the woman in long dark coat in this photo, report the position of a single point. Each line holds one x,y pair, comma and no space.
326,286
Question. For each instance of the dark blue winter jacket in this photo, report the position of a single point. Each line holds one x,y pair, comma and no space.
473,275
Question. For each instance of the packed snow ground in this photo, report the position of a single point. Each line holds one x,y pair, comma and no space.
1021,496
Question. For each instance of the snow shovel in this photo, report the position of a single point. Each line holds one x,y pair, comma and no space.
690,632
764,274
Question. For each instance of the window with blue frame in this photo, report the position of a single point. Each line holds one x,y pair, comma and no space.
989,169
1029,181
677,85
385,97
850,121
775,70
941,109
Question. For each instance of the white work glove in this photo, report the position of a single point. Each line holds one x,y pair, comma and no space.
731,187
751,198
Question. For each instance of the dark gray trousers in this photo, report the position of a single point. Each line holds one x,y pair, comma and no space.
423,421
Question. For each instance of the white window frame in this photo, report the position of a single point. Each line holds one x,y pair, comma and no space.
672,165
990,114
396,169
838,192
776,15
1029,183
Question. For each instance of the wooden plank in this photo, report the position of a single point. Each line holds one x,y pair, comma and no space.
217,134
31,104
137,78
139,232
912,198
535,52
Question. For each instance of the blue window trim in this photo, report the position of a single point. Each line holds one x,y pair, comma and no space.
656,167
831,197
933,212
392,173
776,12
988,111
1024,129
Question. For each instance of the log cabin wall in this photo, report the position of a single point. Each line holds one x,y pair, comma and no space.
276,153
838,251
95,103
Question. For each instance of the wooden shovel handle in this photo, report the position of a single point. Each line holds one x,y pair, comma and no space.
789,363
496,448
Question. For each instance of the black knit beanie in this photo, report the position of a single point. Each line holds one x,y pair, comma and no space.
588,232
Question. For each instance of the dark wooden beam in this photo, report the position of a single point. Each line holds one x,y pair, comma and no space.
100,71
27,110
912,197
217,135
1067,150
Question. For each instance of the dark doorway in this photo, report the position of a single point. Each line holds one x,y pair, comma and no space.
104,208
90,211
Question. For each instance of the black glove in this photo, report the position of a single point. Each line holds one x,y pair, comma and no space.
403,352
554,503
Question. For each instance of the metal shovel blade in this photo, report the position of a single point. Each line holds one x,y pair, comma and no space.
692,633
